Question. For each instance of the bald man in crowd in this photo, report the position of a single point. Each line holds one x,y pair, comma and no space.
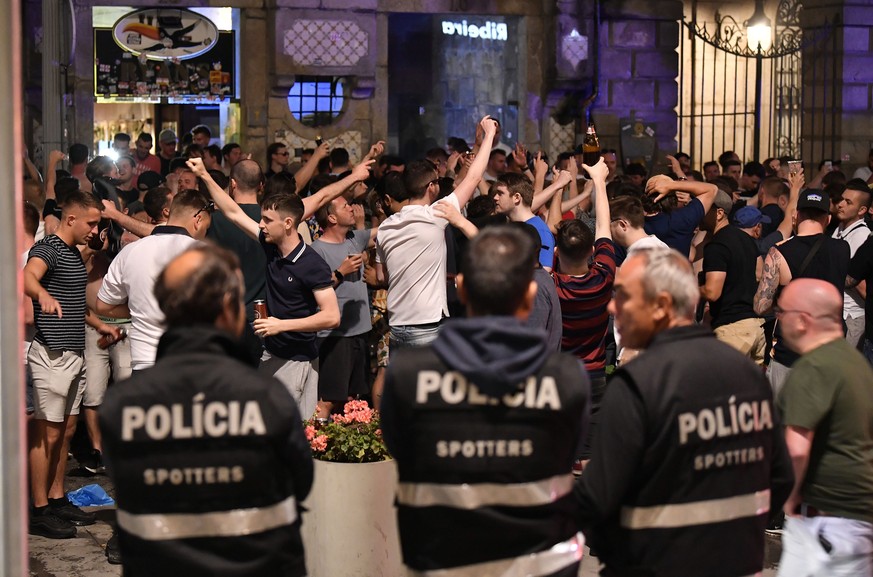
827,408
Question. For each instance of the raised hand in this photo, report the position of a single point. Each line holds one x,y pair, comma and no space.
597,172
362,170
540,165
197,167
376,150
659,186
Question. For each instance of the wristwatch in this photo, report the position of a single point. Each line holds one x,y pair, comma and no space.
339,277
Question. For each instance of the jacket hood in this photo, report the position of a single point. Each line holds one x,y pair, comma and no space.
495,353
202,339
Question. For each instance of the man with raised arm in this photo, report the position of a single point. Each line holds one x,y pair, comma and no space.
126,291
411,248
676,227
584,290
515,198
300,297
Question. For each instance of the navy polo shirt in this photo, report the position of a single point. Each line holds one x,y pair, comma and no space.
291,281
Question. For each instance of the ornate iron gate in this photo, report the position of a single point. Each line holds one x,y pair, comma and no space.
736,97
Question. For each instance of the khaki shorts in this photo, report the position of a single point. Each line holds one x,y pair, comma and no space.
299,377
101,363
746,336
58,382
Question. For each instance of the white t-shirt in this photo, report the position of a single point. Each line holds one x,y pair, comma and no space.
863,173
644,243
131,279
855,234
648,242
412,246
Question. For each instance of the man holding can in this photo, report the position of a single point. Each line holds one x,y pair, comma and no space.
300,297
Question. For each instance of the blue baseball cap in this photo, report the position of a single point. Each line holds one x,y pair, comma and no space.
749,216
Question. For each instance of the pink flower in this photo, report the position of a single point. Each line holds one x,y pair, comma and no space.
310,432
378,432
364,416
354,406
319,443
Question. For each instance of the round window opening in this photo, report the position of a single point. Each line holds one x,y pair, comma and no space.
316,100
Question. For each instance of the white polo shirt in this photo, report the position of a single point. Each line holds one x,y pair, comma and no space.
131,279
412,246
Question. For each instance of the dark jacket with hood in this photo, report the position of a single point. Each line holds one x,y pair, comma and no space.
484,425
209,461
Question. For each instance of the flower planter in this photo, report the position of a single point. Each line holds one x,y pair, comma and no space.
350,528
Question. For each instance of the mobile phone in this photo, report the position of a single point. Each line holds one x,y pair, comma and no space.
319,141
829,164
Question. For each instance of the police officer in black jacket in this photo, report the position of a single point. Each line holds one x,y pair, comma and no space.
690,457
484,425
208,456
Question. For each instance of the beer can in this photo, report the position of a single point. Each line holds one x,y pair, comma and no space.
106,341
260,309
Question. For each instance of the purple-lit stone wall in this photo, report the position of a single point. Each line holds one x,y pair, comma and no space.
839,71
638,69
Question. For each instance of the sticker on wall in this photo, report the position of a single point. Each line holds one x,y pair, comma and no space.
165,33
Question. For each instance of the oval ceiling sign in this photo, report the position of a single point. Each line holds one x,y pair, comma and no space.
165,33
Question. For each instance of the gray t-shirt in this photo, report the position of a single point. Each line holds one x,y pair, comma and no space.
546,312
351,294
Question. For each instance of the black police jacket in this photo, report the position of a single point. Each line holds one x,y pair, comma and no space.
484,426
687,463
209,461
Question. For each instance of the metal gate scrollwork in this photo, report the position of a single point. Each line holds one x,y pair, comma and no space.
733,96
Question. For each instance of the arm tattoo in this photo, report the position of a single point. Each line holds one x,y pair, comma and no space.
769,283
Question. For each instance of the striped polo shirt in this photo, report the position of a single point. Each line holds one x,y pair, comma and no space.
65,280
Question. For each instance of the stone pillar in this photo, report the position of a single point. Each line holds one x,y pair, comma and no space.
254,90
838,83
638,69
52,89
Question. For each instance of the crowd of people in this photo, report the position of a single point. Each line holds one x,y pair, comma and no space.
689,344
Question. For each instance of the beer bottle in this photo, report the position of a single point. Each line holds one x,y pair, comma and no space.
590,146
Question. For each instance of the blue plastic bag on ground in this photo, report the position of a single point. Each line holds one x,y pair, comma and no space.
90,496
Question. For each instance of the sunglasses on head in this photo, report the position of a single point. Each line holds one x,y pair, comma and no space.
209,208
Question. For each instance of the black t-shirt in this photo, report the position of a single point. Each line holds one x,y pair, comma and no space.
252,260
51,208
776,215
861,269
734,252
830,263
165,165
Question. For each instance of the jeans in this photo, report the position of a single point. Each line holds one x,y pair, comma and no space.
868,350
413,335
777,374
826,547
